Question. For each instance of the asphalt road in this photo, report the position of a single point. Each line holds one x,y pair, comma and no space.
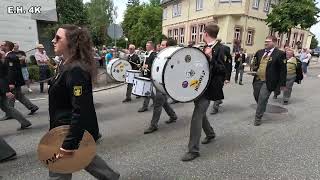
285,146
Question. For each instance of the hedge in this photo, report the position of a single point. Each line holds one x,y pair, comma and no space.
34,72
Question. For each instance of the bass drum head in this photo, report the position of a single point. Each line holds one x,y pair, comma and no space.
119,69
186,74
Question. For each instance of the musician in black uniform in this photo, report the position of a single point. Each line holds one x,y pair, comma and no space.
160,100
239,60
222,78
71,98
16,79
6,94
271,67
215,53
146,71
134,60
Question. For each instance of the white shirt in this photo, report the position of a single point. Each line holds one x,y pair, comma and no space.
270,52
213,43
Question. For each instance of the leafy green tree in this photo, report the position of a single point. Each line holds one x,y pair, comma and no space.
314,43
293,13
100,15
143,23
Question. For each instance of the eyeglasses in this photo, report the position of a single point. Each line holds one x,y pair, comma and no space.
57,38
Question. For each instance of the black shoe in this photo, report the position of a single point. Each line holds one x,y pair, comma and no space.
138,97
236,82
143,109
171,120
214,111
257,122
285,102
23,127
151,129
126,100
207,140
240,83
99,136
33,111
12,157
189,156
5,118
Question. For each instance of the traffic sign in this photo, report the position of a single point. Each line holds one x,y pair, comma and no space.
115,31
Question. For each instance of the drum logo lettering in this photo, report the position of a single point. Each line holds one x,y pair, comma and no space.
200,80
194,83
52,160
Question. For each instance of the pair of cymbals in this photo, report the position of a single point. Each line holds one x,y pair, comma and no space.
49,147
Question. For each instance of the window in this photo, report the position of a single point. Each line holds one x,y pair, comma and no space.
201,31
194,33
170,33
255,4
237,33
176,10
176,34
181,35
294,40
301,38
266,5
199,5
250,37
165,13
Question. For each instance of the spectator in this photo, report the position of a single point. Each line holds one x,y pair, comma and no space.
24,68
42,61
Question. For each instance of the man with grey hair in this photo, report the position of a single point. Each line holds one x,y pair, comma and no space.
134,60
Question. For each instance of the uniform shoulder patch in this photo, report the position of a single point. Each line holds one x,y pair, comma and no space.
77,90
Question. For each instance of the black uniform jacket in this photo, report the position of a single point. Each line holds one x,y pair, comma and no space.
15,76
299,73
218,73
71,103
276,72
241,58
4,84
227,62
149,61
134,60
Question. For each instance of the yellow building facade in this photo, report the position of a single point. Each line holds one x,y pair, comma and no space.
244,20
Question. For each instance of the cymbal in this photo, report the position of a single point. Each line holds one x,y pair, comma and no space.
49,147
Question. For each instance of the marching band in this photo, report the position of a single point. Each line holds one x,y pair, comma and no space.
71,98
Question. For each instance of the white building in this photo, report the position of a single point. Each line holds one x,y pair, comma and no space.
24,27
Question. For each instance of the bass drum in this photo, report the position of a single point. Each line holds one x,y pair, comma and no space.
117,69
182,73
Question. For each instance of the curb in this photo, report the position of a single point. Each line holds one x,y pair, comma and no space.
107,88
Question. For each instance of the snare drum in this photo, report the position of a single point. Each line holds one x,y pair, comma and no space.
117,69
131,74
142,86
182,73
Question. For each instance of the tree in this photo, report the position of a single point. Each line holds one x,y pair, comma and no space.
69,12
133,3
143,23
314,43
100,15
293,13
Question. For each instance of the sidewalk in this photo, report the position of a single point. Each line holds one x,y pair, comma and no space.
103,83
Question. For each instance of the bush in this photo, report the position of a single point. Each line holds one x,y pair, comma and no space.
34,72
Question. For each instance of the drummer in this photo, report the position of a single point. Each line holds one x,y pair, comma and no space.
146,71
160,99
134,60
215,54
71,98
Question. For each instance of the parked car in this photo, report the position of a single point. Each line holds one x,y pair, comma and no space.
316,52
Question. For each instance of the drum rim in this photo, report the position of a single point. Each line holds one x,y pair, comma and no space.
205,89
132,70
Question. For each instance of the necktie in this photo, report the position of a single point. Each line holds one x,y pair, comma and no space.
266,53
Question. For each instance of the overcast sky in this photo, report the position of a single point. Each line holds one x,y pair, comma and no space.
121,4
